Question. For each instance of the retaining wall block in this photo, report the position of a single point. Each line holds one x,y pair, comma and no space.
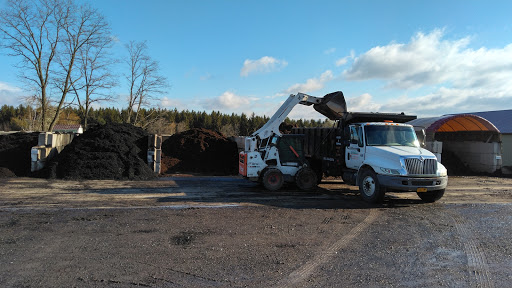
43,138
155,141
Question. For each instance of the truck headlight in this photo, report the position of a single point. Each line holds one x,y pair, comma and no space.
441,170
390,171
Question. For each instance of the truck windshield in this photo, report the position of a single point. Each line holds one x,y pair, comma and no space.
390,135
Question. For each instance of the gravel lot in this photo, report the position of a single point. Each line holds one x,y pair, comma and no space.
226,232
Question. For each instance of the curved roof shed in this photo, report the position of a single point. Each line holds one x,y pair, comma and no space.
462,127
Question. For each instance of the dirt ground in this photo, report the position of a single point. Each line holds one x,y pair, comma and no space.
227,232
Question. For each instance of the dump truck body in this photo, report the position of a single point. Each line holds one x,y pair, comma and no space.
378,156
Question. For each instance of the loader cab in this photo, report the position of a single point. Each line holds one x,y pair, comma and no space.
291,149
284,150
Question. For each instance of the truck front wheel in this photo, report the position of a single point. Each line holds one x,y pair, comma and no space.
273,179
431,196
369,187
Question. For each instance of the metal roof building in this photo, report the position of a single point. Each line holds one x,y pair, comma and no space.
463,140
502,119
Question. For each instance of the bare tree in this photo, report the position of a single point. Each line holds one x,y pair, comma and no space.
85,28
47,35
96,79
144,80
31,30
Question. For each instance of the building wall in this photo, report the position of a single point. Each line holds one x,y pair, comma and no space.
479,156
506,150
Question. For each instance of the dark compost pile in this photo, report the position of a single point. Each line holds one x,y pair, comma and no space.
15,152
199,151
112,151
6,173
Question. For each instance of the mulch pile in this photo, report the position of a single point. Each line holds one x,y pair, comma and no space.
112,151
199,151
15,152
6,173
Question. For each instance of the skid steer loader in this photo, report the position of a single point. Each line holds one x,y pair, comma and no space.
272,158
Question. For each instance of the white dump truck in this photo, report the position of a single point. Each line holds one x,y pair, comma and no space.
375,151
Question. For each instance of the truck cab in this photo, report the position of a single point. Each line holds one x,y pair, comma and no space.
387,156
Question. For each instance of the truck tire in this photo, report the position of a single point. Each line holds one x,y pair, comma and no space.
369,187
306,178
273,179
431,196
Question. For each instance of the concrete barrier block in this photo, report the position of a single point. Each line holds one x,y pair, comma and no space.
37,165
45,153
158,155
155,141
43,138
53,140
438,156
34,154
437,147
156,167
151,156
154,155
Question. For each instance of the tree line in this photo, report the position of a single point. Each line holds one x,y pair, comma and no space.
156,121
64,52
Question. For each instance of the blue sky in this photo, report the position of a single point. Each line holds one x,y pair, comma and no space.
427,58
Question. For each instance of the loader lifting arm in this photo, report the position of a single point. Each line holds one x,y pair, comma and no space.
272,126
331,105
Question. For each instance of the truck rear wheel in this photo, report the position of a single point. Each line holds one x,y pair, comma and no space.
306,179
369,187
273,179
431,196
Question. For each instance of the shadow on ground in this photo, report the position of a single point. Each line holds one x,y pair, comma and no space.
237,191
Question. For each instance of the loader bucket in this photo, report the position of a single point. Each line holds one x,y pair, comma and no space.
333,105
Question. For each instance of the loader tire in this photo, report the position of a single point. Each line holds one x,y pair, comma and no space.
273,179
306,179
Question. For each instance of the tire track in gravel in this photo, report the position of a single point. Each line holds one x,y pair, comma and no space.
307,269
477,264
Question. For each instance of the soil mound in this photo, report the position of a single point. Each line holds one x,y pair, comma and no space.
199,151
112,151
6,173
15,151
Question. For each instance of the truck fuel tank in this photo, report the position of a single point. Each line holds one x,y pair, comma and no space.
333,105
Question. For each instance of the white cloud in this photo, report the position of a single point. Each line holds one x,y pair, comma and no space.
230,102
330,51
165,102
206,77
9,94
263,65
362,103
454,77
449,101
312,84
344,60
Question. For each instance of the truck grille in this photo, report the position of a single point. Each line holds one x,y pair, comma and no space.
417,166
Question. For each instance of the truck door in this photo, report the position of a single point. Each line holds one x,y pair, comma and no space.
354,153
